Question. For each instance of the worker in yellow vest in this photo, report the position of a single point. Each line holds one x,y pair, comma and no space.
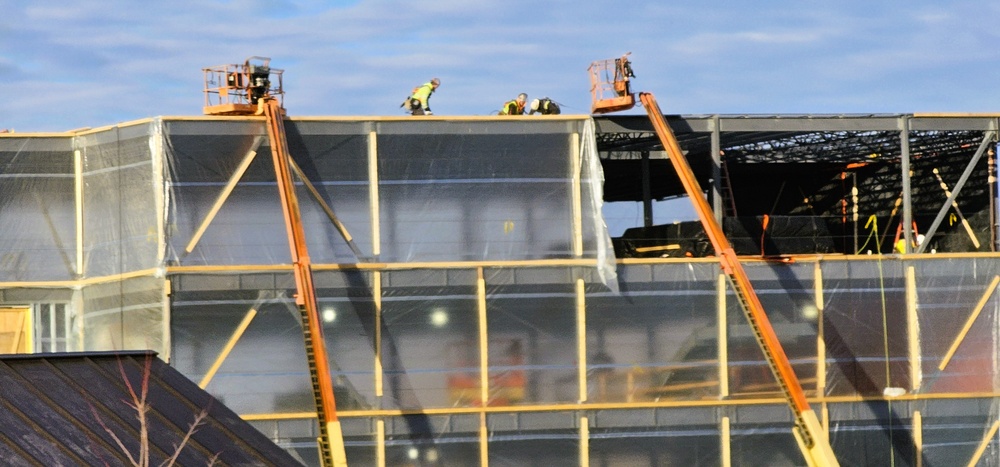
419,101
516,106
544,106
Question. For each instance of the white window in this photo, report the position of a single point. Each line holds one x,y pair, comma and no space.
52,327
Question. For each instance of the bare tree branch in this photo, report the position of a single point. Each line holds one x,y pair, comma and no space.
187,436
113,436
141,406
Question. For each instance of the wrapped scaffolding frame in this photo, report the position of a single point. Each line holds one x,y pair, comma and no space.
481,275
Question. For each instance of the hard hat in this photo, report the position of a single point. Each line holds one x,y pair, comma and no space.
522,97
920,238
534,104
436,82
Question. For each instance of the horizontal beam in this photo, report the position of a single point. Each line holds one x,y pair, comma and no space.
794,123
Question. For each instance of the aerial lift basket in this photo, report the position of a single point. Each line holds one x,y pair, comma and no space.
610,88
235,89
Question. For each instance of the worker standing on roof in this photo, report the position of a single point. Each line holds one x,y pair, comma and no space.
544,106
419,100
516,106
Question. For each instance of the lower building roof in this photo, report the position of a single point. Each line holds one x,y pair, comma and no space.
83,409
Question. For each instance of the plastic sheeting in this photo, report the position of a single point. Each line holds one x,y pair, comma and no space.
458,344
446,191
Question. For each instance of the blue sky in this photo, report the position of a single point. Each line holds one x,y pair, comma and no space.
66,65
88,63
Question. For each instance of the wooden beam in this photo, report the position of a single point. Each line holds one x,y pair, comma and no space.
968,323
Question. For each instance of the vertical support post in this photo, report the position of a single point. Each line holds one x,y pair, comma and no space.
918,438
821,349
165,330
992,182
991,164
156,155
373,210
380,443
484,369
377,298
716,168
373,198
647,194
820,339
581,339
78,195
484,436
159,195
78,312
723,334
576,196
904,150
79,266
913,329
584,441
725,439
855,207
825,414
483,366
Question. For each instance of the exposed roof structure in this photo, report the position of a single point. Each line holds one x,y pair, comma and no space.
801,144
60,409
808,165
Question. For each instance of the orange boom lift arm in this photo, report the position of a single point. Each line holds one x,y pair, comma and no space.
808,432
247,90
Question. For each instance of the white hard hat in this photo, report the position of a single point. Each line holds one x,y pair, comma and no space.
534,104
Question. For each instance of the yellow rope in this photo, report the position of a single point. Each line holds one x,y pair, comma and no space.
873,222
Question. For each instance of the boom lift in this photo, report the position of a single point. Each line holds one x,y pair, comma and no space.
249,89
808,432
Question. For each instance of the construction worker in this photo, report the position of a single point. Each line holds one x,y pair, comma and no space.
516,106
419,100
901,244
544,106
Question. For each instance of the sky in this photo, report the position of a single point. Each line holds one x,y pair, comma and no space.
88,63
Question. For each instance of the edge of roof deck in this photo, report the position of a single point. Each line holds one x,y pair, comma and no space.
307,118
706,123
639,123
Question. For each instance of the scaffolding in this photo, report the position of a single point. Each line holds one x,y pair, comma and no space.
474,246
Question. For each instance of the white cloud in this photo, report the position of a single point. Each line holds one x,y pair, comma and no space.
123,60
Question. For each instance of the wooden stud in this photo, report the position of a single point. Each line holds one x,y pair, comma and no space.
913,329
968,323
220,200
233,339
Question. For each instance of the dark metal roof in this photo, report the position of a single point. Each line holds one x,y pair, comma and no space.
59,409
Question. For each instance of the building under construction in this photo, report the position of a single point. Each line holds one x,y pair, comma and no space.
473,309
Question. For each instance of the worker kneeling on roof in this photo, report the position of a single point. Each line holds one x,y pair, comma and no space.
514,107
419,101
544,106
